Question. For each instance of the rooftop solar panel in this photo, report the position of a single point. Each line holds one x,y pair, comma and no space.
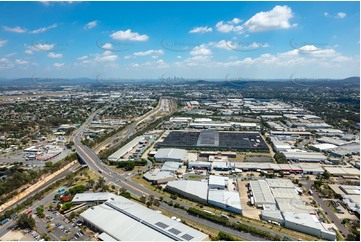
187,237
162,225
174,231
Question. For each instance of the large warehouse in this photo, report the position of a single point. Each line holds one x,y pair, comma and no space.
134,222
164,155
195,190
212,139
261,193
307,223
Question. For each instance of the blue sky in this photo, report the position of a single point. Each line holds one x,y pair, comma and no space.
209,40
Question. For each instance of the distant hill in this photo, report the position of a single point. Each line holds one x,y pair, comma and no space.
55,82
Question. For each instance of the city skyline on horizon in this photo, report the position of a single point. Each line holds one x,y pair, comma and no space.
192,40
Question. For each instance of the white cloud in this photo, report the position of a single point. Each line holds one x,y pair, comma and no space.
222,44
277,18
237,45
43,47
149,52
41,30
159,64
16,29
53,55
107,46
29,51
201,50
107,56
316,52
129,35
342,58
91,24
58,65
204,29
21,61
236,21
179,57
341,15
83,57
3,42
153,53
229,26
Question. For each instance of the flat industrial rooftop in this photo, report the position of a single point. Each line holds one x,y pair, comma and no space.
212,139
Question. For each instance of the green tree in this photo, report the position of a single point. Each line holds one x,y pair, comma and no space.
142,199
26,221
326,175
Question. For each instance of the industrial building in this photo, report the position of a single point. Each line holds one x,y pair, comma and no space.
134,222
347,149
305,168
164,174
261,192
342,171
288,209
194,190
216,192
159,177
227,200
212,139
323,147
200,165
171,154
116,156
350,196
222,125
218,182
304,156
229,154
98,197
307,223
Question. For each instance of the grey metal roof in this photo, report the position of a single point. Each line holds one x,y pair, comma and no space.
126,148
92,197
261,192
171,153
277,182
227,198
197,188
218,180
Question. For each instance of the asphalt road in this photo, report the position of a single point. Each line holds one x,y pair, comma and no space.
328,211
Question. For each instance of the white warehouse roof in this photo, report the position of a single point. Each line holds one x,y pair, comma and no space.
218,181
92,197
261,192
134,222
125,149
196,188
171,153
228,200
280,183
304,156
